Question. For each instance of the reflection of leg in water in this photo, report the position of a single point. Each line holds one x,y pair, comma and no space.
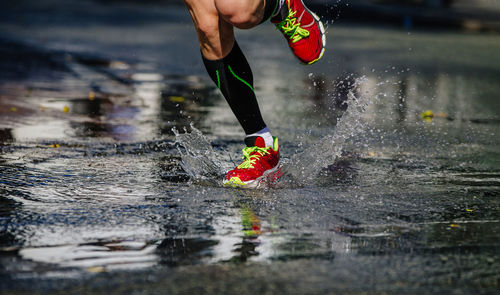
236,235
258,242
251,231
242,235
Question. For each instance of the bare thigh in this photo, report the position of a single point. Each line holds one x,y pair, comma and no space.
215,35
243,14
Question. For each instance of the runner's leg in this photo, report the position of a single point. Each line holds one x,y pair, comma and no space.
214,21
223,58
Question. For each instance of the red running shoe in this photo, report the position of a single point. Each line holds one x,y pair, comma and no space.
304,31
259,161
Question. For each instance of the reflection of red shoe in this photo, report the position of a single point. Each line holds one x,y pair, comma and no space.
259,161
251,223
304,31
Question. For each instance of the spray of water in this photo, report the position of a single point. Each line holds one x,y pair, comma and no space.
303,168
200,160
203,163
197,155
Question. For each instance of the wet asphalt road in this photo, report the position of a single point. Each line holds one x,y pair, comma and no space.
390,147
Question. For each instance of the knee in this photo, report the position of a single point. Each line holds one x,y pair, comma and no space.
241,14
208,29
215,39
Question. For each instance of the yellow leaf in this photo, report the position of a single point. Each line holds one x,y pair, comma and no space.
176,98
427,115
96,269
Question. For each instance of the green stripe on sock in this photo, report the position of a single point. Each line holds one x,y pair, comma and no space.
236,76
218,79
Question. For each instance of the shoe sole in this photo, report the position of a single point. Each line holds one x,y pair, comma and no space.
321,30
252,184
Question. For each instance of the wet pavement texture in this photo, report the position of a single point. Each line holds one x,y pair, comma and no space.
390,157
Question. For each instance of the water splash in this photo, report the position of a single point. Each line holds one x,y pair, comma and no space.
207,165
303,168
200,160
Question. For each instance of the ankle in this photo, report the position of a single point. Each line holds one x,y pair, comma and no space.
265,133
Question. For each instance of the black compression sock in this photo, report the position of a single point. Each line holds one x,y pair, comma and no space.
233,76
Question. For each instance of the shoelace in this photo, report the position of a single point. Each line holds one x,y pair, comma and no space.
290,27
251,154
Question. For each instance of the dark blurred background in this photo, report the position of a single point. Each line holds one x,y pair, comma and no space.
477,15
465,14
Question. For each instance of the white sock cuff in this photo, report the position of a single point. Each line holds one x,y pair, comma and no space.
266,134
